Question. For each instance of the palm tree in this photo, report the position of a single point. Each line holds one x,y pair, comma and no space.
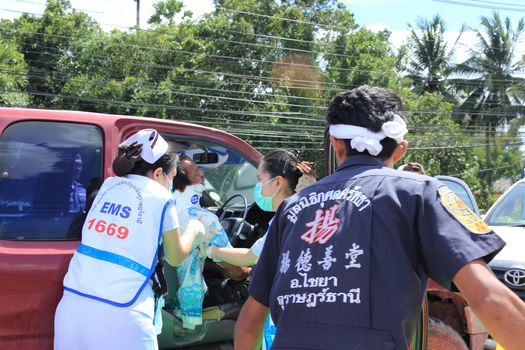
489,78
430,55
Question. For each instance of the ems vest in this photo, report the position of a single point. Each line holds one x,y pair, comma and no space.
120,238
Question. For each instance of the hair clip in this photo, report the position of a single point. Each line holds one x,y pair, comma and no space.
294,151
285,167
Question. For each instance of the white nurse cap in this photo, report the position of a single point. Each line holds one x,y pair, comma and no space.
153,145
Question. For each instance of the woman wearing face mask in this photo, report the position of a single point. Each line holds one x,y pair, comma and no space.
108,300
280,175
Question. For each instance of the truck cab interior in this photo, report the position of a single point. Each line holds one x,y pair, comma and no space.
229,180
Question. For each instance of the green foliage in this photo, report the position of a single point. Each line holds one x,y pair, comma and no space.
362,58
490,90
45,44
489,74
429,63
166,10
265,70
13,75
435,140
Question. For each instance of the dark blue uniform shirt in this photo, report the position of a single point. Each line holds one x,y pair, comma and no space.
347,260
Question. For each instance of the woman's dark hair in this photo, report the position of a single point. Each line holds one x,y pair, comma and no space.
368,107
281,162
167,162
129,161
181,180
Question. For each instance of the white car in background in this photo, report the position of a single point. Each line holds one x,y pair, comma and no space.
507,218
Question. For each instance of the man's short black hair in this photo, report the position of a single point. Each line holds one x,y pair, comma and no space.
368,107
414,167
181,180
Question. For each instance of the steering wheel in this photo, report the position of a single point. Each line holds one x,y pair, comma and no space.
231,223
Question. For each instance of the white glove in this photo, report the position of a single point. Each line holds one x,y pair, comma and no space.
209,252
211,224
203,248
201,233
198,225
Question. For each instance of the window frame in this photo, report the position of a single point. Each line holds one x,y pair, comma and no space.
49,224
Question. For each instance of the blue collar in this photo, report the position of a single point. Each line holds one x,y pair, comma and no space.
361,160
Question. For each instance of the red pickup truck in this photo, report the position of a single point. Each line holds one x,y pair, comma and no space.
50,162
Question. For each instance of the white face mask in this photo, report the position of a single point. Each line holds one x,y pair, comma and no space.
190,197
197,188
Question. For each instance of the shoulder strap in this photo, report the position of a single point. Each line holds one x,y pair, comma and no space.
159,285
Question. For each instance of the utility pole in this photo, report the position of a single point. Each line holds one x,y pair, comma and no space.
138,13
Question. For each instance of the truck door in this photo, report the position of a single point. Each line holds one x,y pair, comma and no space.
47,169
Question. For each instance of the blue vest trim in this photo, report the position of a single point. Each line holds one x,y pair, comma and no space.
152,268
269,332
113,258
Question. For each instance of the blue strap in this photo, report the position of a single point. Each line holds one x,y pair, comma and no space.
113,258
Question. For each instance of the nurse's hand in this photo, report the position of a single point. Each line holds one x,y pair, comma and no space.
202,234
131,151
204,248
178,245
211,224
126,158
197,228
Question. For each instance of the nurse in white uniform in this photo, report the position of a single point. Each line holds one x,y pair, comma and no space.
108,300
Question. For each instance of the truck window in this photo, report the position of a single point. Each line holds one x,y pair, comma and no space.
47,172
226,171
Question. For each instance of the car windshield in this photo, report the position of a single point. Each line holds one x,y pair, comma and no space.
510,210
235,175
226,171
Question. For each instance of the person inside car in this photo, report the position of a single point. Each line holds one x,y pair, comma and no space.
77,194
188,187
109,301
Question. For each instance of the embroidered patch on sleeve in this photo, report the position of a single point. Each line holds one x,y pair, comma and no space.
462,212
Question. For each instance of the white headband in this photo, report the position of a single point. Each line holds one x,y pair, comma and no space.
153,145
363,139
